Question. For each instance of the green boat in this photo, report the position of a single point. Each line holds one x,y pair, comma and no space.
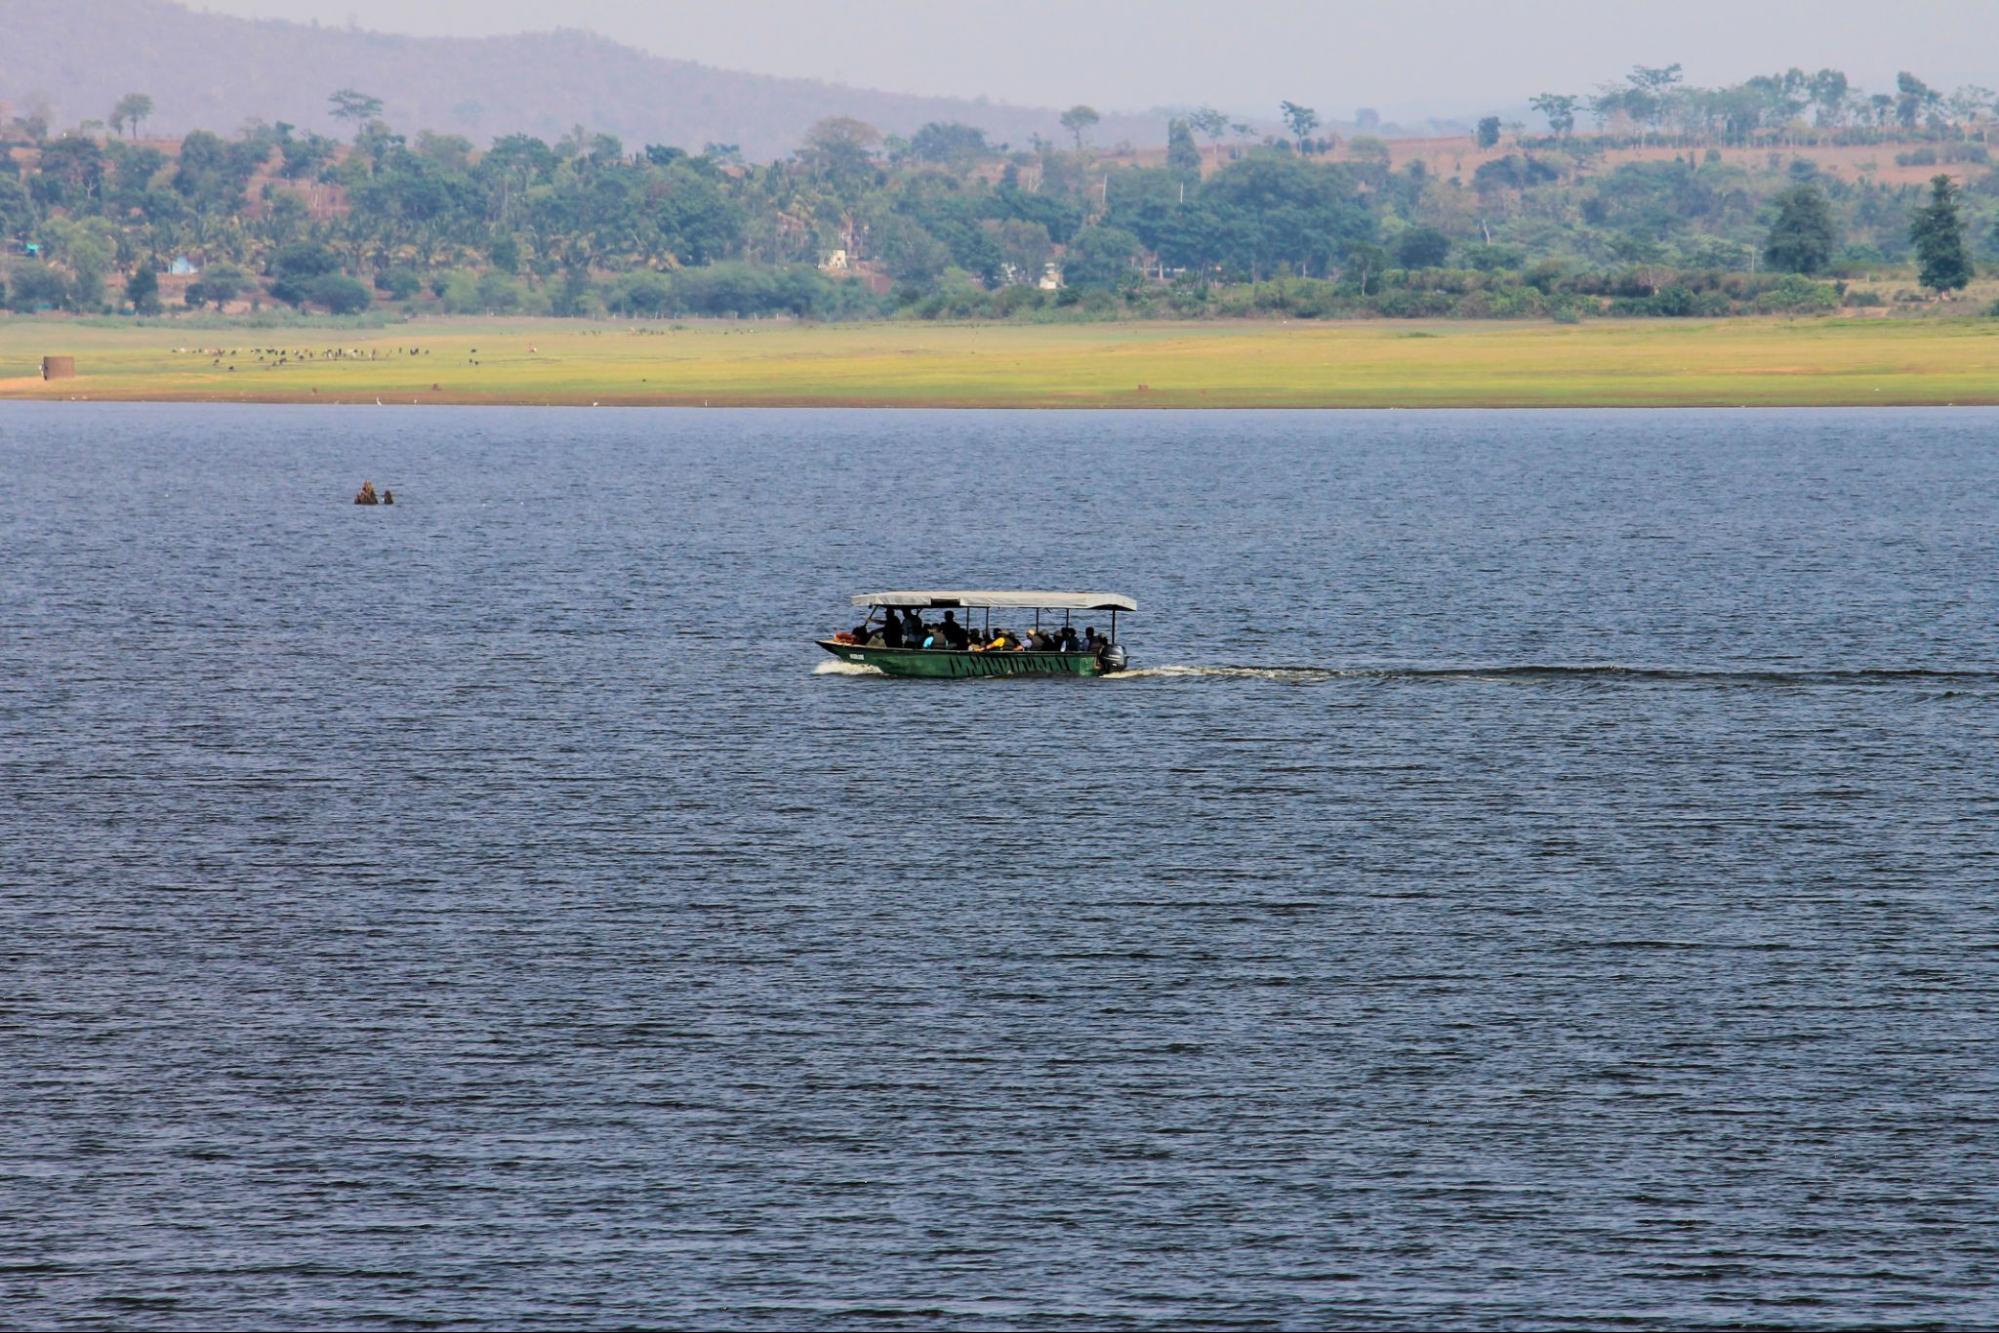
945,663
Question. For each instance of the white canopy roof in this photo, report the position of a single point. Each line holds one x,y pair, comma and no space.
1045,601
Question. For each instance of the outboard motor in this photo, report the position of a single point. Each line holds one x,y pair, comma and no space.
1112,657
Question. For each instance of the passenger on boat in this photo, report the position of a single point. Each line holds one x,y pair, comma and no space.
891,630
1066,640
1037,641
953,633
1093,642
914,631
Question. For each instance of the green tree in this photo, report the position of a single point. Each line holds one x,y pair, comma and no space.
909,252
72,173
1077,120
400,284
1183,156
305,157
1969,105
453,152
839,153
34,286
1560,111
17,205
644,294
1211,125
1364,262
949,144
841,148
503,249
1302,120
339,294
354,107
1804,236
132,172
514,165
1102,257
1422,247
1937,232
213,172
1488,132
89,246
1828,90
296,267
132,108
1643,97
698,221
1023,248
142,289
286,217
1265,211
1654,86
1913,99
220,285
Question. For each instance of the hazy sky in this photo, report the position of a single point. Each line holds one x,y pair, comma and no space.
1401,56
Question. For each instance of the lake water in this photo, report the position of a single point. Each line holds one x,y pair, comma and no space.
1542,874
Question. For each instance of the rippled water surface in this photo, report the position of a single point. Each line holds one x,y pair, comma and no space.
1542,874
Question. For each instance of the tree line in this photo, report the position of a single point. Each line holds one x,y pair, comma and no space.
945,223
1656,100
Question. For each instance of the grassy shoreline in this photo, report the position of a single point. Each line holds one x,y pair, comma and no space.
1650,363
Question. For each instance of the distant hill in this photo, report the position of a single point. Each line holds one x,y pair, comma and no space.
210,71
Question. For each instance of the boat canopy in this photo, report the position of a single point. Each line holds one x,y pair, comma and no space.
1040,601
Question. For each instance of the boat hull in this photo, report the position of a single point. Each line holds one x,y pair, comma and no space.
949,664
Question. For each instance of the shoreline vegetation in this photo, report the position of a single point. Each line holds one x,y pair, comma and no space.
1789,194
1760,362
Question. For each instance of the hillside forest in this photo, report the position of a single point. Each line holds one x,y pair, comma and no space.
1768,196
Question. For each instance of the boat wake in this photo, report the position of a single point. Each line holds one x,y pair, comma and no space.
1580,675
1597,675
837,667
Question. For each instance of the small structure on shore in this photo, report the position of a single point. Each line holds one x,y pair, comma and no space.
58,367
